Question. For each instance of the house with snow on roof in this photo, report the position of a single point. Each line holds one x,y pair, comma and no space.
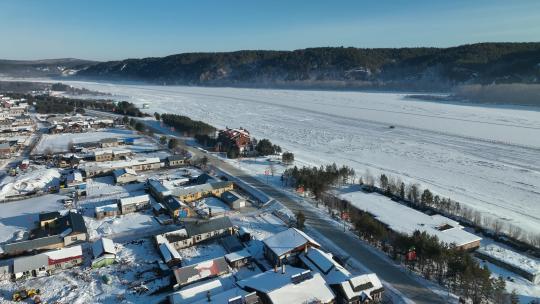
346,286
47,262
289,285
284,247
104,253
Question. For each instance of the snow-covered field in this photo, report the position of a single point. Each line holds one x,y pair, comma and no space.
17,218
34,178
487,157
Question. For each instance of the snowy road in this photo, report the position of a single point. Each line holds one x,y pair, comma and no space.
485,157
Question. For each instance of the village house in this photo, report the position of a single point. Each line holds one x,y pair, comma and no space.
47,262
134,203
289,285
238,259
176,161
125,176
137,164
178,239
106,211
157,189
285,246
5,150
240,137
175,208
53,232
233,199
104,253
109,142
199,231
211,229
203,270
169,254
193,193
103,155
213,291
346,286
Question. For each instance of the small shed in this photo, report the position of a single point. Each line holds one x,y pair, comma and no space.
106,211
233,199
170,255
104,253
238,259
134,203
124,176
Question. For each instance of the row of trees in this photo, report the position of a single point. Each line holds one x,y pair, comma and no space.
186,125
317,180
46,106
424,199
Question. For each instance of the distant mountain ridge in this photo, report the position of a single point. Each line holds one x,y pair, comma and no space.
44,67
394,68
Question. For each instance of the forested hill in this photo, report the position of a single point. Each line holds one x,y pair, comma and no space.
398,68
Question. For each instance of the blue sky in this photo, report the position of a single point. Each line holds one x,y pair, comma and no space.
109,30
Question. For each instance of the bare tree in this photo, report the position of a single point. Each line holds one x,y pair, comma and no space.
515,232
497,226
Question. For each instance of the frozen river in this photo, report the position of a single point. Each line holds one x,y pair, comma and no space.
485,157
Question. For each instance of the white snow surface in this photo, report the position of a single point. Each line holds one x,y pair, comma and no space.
487,157
528,264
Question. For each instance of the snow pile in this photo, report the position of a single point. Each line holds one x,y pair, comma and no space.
34,179
512,258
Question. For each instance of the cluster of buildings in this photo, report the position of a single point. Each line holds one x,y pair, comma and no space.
298,270
76,123
15,125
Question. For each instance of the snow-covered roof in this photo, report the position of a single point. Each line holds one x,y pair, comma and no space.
288,240
196,292
406,220
311,290
323,262
64,253
121,163
296,285
158,187
237,255
107,208
134,200
361,286
270,280
168,252
193,273
103,246
122,171
515,259
227,297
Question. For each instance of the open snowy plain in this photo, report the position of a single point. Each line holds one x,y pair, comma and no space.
487,157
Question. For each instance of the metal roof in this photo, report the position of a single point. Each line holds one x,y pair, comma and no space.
200,227
30,263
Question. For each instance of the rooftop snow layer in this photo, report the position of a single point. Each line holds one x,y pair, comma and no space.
406,220
287,240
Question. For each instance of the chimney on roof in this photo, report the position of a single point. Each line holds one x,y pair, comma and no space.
305,248
283,268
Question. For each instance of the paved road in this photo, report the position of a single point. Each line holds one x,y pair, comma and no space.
352,246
